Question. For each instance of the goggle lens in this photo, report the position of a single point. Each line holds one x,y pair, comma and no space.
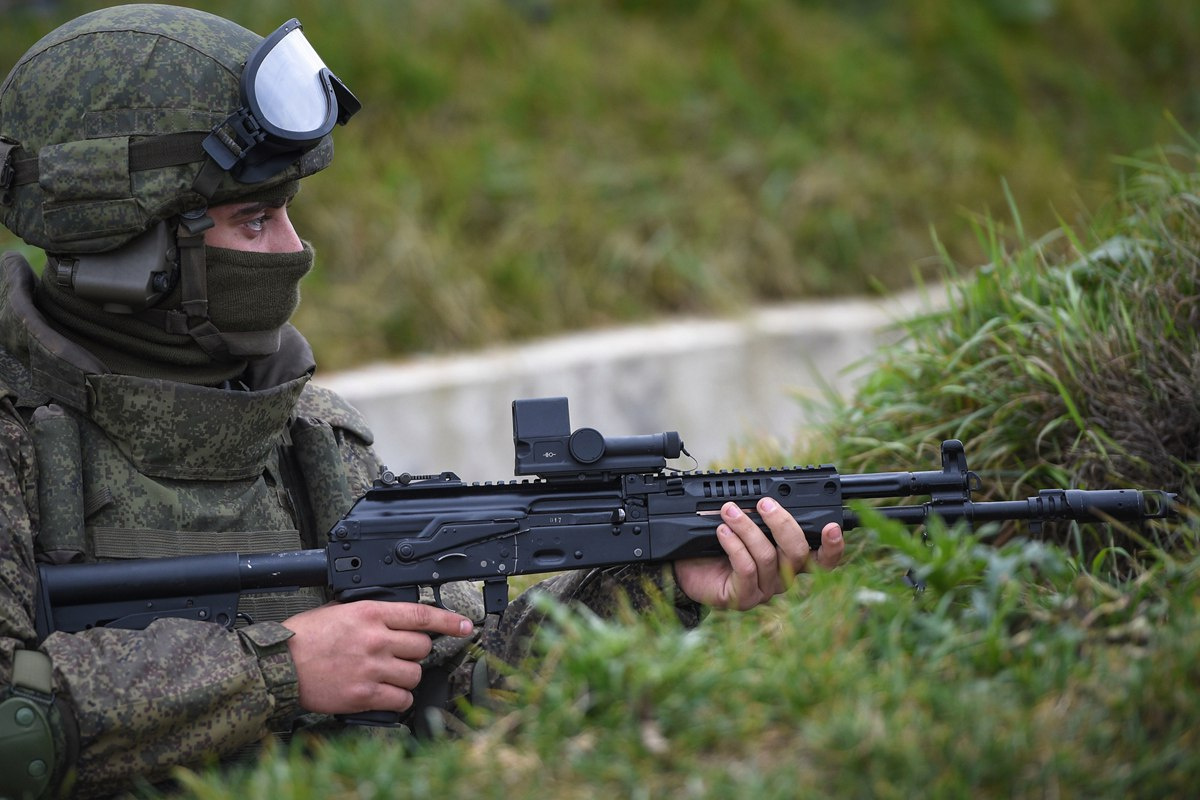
291,102
290,88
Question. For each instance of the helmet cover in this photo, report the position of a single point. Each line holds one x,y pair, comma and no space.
89,94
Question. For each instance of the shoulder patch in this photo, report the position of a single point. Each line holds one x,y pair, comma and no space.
322,403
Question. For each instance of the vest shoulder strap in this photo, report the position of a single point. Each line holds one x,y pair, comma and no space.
318,402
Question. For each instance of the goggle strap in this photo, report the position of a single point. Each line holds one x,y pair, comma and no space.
165,150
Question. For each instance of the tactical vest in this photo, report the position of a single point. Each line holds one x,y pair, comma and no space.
150,468
165,472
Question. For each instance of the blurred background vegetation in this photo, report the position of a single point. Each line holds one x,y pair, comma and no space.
527,167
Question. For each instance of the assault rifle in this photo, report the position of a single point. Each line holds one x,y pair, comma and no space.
597,501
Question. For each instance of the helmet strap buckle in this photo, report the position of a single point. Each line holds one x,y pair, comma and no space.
232,139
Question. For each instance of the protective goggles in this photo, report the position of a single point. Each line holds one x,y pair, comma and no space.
290,102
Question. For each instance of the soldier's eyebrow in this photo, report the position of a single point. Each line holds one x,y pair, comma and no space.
254,209
249,210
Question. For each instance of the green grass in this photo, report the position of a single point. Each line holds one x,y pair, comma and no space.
527,167
1069,360
1061,666
1019,677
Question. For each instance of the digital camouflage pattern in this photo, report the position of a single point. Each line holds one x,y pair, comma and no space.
141,701
137,703
176,430
101,466
135,73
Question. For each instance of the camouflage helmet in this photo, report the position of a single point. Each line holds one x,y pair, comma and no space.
103,124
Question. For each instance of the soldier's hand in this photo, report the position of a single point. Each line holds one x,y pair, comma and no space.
365,655
754,570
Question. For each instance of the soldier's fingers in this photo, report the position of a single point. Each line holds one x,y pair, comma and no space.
761,549
391,694
740,559
421,617
789,536
409,645
833,546
385,697
742,586
401,673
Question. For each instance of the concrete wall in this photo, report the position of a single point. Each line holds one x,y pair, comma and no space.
716,381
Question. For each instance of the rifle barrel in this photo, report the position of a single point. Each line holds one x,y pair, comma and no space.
1100,505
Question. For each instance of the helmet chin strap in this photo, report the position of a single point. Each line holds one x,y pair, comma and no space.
192,317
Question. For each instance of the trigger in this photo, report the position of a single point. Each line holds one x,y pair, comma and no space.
437,601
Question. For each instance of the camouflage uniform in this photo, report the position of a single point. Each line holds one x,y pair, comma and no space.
179,691
199,480
102,466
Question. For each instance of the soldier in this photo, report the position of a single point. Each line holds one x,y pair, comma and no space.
154,401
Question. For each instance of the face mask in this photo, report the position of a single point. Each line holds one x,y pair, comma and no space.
252,295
